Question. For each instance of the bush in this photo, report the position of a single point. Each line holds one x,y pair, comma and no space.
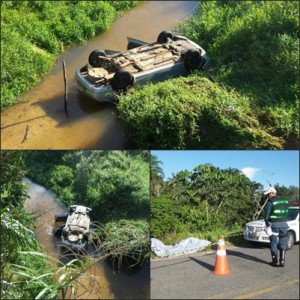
128,240
33,33
253,52
192,113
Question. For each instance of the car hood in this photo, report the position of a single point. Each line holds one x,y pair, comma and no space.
256,223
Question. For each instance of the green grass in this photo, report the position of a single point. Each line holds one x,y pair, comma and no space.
233,237
34,33
193,113
253,48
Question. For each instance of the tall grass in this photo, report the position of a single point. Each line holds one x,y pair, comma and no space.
253,49
27,273
193,113
34,33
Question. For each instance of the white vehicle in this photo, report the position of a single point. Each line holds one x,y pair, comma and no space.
73,228
255,231
107,75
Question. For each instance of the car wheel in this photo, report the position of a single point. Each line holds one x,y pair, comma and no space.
193,60
164,36
132,45
95,58
122,80
290,240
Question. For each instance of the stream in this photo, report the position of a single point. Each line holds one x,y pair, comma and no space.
101,280
39,121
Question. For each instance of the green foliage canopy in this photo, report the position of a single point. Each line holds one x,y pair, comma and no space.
115,184
204,199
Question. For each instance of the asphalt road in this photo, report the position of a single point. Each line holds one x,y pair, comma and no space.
251,276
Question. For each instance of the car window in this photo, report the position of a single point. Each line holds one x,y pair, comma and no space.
292,214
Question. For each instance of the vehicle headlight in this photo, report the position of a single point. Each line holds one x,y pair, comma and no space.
249,228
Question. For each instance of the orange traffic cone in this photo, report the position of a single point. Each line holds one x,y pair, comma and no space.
221,264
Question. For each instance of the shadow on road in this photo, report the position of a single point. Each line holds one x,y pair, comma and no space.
232,253
203,264
153,268
246,256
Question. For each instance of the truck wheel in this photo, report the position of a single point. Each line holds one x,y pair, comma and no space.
164,36
95,58
122,80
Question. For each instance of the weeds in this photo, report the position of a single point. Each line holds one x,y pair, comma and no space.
254,55
34,33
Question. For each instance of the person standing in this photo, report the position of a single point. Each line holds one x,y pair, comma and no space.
276,211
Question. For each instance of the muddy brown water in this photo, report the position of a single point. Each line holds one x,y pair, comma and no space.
102,280
40,122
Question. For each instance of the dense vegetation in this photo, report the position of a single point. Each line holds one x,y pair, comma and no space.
192,113
34,33
246,98
206,202
19,273
253,99
114,184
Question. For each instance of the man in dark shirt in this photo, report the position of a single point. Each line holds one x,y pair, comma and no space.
275,217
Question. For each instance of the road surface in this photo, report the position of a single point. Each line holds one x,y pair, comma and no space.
251,277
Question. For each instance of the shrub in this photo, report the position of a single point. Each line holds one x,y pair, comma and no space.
192,113
33,32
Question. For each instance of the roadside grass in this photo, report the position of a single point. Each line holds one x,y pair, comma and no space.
193,113
253,49
232,237
34,33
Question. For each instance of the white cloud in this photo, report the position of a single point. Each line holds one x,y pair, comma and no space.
250,172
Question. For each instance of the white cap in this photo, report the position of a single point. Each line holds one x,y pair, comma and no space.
270,190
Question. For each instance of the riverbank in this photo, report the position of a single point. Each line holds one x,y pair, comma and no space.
104,273
39,120
35,33
248,96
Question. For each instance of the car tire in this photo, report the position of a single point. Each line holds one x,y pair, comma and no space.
132,45
122,80
193,60
290,240
94,58
164,36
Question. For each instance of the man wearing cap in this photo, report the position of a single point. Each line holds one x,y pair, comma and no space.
276,211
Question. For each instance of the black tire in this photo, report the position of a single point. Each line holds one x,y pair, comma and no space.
290,240
193,60
164,36
122,80
58,231
132,45
95,58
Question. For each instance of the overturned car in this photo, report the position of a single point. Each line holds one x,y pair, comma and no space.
73,228
108,75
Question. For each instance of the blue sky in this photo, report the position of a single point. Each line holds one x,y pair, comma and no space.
278,167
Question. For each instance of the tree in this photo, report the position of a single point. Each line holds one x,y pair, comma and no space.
291,192
13,171
205,199
156,175
116,184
